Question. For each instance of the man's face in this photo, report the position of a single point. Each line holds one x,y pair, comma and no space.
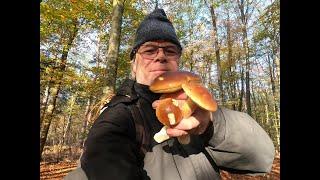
151,61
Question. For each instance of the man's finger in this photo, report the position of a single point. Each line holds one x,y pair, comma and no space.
187,123
155,104
176,132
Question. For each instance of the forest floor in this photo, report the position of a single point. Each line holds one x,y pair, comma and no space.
56,171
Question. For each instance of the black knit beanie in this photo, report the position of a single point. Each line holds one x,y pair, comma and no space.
155,26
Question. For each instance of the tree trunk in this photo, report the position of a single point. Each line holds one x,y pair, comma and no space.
50,84
55,90
191,62
44,104
48,116
217,52
273,86
255,112
267,114
248,93
230,64
260,103
245,43
277,63
276,127
271,67
242,90
63,139
67,129
275,80
114,43
85,122
269,122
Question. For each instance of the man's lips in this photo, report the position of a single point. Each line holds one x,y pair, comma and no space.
156,70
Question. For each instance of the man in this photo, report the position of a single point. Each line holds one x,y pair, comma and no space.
120,144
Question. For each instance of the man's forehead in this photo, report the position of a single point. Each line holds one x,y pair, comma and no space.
159,42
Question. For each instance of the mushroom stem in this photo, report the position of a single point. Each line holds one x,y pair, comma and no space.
188,107
162,135
172,119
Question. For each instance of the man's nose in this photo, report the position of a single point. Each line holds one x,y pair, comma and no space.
161,56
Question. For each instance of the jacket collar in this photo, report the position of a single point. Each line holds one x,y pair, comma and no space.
132,90
144,91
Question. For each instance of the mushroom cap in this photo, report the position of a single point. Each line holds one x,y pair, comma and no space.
200,95
174,95
168,113
187,106
171,81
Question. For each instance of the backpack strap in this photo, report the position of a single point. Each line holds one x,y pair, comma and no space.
141,138
133,105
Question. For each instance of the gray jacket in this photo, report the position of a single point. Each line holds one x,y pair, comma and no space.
234,142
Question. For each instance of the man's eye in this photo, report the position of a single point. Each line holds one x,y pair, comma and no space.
171,51
150,50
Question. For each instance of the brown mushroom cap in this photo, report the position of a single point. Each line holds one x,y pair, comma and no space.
200,95
173,95
186,106
168,112
172,81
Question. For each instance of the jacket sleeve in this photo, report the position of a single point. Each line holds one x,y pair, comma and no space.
239,144
110,151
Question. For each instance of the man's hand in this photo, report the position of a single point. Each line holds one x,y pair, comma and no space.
197,123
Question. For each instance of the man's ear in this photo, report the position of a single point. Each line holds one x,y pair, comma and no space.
134,66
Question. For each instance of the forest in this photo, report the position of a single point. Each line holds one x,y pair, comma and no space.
84,56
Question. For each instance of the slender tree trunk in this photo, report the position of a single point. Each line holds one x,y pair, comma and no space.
276,127
66,126
245,42
255,112
230,64
217,53
85,122
55,90
260,103
277,66
48,117
114,44
271,75
248,93
267,114
273,86
269,120
242,90
275,120
62,141
67,129
234,92
44,104
275,80
50,84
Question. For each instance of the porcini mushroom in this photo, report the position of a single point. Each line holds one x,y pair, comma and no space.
168,112
198,96
171,81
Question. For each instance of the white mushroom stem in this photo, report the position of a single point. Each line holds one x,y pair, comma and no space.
175,102
161,135
171,118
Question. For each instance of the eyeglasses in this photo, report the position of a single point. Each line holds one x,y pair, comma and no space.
151,51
